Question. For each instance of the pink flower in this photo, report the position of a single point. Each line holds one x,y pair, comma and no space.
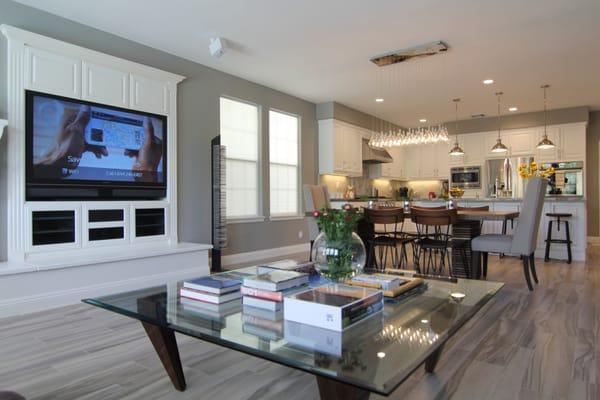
316,214
347,207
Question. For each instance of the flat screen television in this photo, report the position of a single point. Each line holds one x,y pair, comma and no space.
82,150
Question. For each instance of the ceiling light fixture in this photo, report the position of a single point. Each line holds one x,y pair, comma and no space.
422,120
545,143
513,109
456,150
488,81
379,100
398,56
400,137
499,147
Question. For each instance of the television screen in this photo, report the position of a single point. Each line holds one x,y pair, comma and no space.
81,143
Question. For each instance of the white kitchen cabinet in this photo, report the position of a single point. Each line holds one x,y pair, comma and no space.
472,144
521,142
149,95
548,155
412,162
340,148
572,142
393,170
105,85
426,162
442,160
53,73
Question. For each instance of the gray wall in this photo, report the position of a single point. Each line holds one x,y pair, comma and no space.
592,180
198,122
344,113
516,121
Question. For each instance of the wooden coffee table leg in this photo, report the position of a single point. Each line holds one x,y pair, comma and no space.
433,359
164,343
331,389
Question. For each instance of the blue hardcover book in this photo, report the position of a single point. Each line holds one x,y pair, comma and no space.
218,283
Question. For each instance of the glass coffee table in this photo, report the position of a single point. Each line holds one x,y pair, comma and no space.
374,356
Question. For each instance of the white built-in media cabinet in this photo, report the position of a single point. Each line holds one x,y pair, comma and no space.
137,237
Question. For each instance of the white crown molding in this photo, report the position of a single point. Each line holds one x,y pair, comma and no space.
49,44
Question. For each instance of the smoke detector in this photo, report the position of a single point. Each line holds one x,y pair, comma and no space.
399,56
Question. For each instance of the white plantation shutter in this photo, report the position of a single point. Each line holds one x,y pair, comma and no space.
284,167
240,136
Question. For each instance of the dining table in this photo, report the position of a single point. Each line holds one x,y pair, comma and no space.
467,227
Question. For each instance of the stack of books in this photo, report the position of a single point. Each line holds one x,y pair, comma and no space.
215,293
333,306
267,290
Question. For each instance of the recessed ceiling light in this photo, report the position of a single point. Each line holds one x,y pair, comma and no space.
513,109
381,354
488,81
422,120
424,321
379,100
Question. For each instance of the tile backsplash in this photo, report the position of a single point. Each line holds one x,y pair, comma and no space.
336,185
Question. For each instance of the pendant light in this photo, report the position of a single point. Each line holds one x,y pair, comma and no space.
456,150
545,143
499,147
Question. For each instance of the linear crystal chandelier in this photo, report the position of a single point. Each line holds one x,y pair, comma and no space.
404,137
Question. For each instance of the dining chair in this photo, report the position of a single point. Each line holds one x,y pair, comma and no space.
316,198
387,227
523,241
475,208
433,238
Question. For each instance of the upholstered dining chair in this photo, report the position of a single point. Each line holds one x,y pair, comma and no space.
316,198
524,239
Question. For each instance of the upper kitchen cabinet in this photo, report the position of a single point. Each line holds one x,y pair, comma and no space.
393,170
340,148
105,85
473,145
149,95
572,142
53,73
521,142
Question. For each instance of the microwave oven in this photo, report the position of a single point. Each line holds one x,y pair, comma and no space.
465,177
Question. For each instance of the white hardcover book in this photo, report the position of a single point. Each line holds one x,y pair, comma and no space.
332,306
209,297
261,303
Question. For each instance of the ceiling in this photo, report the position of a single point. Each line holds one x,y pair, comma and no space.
319,50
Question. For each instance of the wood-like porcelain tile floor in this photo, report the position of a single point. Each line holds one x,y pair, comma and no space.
540,345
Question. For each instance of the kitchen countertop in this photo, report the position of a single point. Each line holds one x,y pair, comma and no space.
473,199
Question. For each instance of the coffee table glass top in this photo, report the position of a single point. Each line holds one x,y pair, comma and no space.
375,355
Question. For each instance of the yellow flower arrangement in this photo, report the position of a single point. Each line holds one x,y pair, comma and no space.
527,171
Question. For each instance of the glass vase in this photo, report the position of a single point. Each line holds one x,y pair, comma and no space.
340,259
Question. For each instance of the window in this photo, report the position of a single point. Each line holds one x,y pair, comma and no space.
240,136
283,157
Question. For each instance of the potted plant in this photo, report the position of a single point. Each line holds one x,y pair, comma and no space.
338,252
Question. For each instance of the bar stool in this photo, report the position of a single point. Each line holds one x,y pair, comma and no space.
567,239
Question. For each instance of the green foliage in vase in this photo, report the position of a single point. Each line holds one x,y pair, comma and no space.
338,225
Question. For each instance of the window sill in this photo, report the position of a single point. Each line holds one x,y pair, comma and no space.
245,220
286,217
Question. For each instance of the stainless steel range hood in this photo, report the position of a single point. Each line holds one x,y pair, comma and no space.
375,156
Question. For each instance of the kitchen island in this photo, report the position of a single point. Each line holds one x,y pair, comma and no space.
553,204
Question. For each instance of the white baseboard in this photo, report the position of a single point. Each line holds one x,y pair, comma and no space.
251,256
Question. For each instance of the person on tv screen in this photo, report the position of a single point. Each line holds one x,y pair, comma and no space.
63,157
